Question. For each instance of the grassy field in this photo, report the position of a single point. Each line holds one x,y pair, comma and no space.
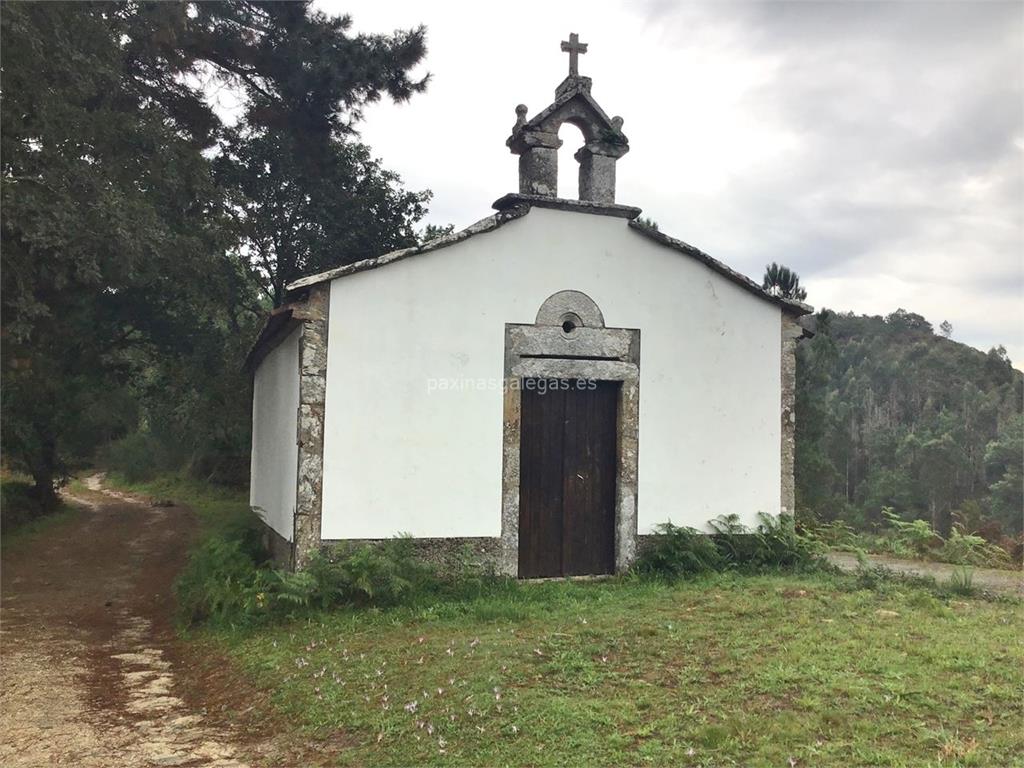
727,670
774,670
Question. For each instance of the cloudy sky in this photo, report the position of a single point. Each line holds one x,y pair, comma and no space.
876,148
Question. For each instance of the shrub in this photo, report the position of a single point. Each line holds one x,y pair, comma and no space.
914,536
969,549
18,503
780,545
225,580
220,581
138,457
961,582
679,552
379,574
774,543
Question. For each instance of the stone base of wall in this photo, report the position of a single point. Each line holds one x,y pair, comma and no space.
444,554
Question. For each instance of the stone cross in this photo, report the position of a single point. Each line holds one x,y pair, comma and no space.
574,48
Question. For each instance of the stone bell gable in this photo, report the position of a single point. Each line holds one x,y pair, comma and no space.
536,140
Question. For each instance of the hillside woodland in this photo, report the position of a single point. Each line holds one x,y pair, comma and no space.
897,423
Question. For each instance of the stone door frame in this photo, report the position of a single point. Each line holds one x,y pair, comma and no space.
568,340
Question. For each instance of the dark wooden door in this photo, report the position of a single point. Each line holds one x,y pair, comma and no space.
567,464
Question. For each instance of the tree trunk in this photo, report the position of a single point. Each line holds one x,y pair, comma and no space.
44,475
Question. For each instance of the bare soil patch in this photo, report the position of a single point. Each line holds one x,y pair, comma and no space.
92,672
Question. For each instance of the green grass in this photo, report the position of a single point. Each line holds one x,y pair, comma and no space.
717,671
22,518
219,508
726,670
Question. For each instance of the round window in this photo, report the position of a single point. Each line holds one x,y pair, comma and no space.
570,322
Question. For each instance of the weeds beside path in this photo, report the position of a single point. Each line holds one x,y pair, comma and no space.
992,579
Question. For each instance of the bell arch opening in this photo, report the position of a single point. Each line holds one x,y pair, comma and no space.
572,139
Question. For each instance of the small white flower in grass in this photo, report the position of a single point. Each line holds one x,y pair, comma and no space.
449,651
497,693
420,661
475,642
420,640
411,707
604,659
515,729
690,752
792,762
430,729
440,691
481,728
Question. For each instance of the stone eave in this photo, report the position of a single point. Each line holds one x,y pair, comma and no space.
484,225
282,321
516,199
790,306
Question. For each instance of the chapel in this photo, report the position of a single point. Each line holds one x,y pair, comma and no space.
543,388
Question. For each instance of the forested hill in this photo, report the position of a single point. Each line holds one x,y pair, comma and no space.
892,414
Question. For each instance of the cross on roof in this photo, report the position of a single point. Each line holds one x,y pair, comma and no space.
574,48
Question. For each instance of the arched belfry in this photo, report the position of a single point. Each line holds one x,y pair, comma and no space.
536,140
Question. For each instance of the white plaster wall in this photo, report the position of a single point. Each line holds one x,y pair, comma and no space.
399,457
275,453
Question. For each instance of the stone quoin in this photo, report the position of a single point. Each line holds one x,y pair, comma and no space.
545,387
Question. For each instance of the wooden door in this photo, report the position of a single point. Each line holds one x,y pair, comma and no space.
567,467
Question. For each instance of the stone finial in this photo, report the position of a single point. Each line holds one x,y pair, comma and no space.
536,140
520,117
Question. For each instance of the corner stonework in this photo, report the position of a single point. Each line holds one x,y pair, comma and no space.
312,399
792,331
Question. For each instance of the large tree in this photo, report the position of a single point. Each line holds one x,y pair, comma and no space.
116,238
296,211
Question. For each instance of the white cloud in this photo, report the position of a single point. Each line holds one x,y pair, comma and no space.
877,148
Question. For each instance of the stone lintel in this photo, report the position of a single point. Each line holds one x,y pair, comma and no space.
559,203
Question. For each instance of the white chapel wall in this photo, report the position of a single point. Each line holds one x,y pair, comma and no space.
275,408
406,452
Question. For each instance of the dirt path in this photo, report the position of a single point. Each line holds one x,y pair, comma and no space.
86,671
1006,582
